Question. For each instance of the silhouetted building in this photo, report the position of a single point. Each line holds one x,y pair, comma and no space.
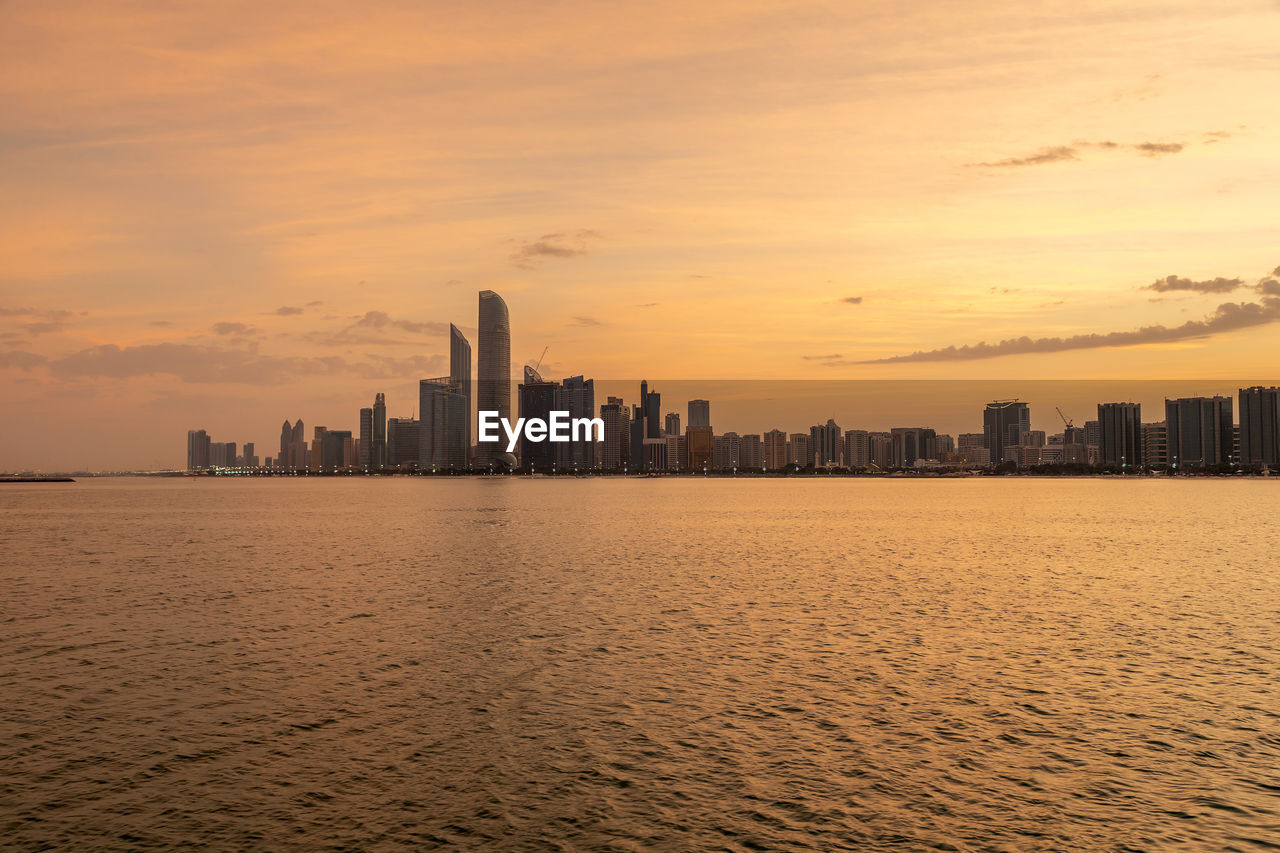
775,450
1003,423
537,399
1201,431
911,444
365,447
1155,445
577,396
824,444
672,425
442,426
1121,434
402,443
333,449
615,453
881,449
699,444
798,449
857,448
751,452
379,458
460,374
198,446
250,457
651,409
1260,427
726,451
699,413
493,368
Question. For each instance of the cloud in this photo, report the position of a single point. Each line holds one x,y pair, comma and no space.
1213,285
161,323
831,357
550,246
1229,316
36,321
1155,149
1060,153
233,329
287,310
585,321
1269,287
21,360
852,300
382,320
1047,155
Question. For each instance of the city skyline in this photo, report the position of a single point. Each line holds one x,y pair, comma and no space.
253,212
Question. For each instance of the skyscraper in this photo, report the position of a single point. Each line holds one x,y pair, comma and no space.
198,446
402,443
672,424
699,413
286,446
824,444
1260,427
577,396
617,424
1003,423
537,399
378,453
1201,431
1120,437
365,446
651,409
857,449
775,450
460,373
493,367
441,426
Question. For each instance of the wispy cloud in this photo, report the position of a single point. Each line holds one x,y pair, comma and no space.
1229,316
852,300
1213,285
287,310
382,320
551,246
585,321
239,329
1061,153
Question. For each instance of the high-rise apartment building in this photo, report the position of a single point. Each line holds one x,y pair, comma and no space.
1260,427
364,450
493,368
824,444
774,450
537,399
1201,431
857,448
577,396
615,453
198,446
442,420
1003,423
1120,434
672,424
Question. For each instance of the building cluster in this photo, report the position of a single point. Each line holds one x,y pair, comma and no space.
1196,434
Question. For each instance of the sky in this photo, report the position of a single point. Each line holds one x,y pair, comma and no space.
223,215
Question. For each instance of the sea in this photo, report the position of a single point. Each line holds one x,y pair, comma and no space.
627,664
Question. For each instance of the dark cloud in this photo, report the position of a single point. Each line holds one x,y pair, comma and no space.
21,360
585,321
1155,149
1048,155
1229,316
852,300
648,305
1269,287
833,356
233,329
551,246
287,310
1213,285
382,320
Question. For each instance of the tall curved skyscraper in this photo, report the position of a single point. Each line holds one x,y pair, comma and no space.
493,366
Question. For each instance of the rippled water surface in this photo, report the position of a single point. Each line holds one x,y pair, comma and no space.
1006,664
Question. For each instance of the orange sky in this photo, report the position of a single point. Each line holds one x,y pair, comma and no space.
223,216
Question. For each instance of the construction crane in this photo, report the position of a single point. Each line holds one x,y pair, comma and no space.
538,364
1065,419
